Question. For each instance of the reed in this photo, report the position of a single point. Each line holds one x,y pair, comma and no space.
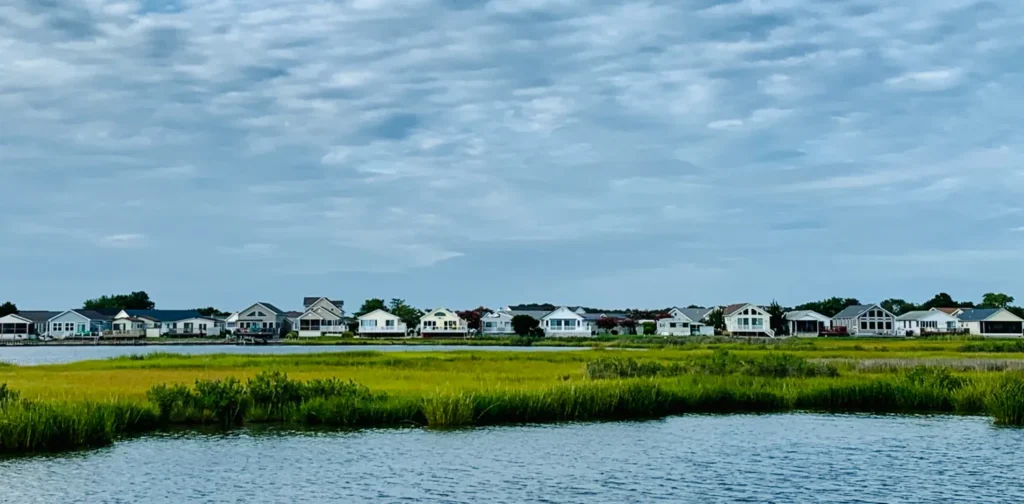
1006,402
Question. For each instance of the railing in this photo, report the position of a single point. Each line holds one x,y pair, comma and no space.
125,333
382,329
257,330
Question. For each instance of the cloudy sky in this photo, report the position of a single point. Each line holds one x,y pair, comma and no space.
465,152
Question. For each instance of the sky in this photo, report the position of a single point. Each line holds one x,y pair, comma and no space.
464,153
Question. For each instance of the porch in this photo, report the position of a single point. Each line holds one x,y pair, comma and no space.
17,331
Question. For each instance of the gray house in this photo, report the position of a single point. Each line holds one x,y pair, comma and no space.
263,319
866,320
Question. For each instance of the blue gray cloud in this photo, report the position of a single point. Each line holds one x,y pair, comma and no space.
596,152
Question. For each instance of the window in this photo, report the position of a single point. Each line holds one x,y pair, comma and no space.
758,322
202,328
367,323
69,326
888,324
389,323
672,324
429,324
439,314
451,324
864,325
871,325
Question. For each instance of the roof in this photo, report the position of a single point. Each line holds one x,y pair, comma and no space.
378,310
309,300
917,315
733,308
292,314
978,314
38,315
695,314
93,315
804,314
165,315
272,307
536,314
950,310
853,311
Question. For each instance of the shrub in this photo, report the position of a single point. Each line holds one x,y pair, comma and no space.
173,403
991,346
274,393
224,401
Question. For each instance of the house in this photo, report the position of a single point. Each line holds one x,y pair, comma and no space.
926,321
322,317
157,323
566,323
79,324
807,323
993,322
231,322
497,323
685,322
442,322
745,319
25,324
262,319
381,323
866,320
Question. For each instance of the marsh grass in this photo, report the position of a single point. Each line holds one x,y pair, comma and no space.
720,362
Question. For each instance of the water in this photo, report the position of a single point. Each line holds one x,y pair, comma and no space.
692,459
35,355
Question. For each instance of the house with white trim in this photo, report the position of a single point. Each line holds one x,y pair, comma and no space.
807,323
866,320
685,322
745,319
78,324
381,324
497,323
918,322
322,317
24,325
442,322
158,323
566,323
992,322
262,319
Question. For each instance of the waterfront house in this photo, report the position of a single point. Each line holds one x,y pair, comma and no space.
25,324
866,320
156,323
566,323
992,322
262,320
442,322
381,324
497,323
807,323
685,322
322,317
926,321
231,322
950,311
745,319
79,324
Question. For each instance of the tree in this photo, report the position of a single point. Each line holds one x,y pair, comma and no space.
943,300
210,311
629,325
138,300
524,325
778,317
369,305
607,323
410,316
650,328
716,319
8,308
897,306
472,317
996,300
829,307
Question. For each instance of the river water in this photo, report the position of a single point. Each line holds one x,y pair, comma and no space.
791,458
35,355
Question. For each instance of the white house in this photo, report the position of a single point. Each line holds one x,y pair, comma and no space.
322,317
231,323
565,323
156,323
25,324
380,323
262,319
745,319
442,322
993,322
496,323
866,320
807,323
685,322
926,321
78,324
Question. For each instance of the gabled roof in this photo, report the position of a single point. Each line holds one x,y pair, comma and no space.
978,314
37,315
854,311
949,310
310,301
95,314
292,314
378,310
921,314
164,315
536,314
804,315
733,308
695,314
272,308
568,312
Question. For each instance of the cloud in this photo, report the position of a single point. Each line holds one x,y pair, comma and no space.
455,138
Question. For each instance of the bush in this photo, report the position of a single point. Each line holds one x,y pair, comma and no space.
173,402
224,401
348,334
292,335
650,328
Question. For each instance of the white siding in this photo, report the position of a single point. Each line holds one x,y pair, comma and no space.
749,319
381,323
79,325
565,323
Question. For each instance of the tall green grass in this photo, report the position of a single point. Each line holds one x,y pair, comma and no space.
720,362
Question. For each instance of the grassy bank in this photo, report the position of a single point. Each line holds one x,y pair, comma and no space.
88,404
